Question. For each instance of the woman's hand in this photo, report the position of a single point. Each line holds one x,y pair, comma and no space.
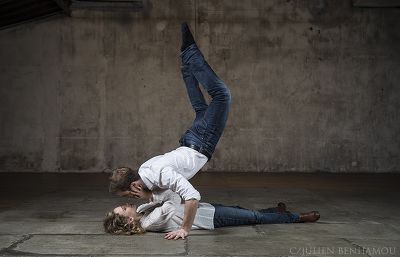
139,192
180,233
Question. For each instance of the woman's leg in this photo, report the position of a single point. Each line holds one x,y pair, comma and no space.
269,210
281,207
235,216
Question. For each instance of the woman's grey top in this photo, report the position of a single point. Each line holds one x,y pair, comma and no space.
165,211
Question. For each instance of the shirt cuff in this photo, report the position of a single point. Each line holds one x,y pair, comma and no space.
195,195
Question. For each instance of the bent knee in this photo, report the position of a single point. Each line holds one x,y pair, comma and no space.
226,94
221,93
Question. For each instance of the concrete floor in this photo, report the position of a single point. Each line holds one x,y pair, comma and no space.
61,215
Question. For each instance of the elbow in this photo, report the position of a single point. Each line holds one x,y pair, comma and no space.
194,196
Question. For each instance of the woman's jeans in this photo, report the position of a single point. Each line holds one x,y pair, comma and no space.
210,119
236,215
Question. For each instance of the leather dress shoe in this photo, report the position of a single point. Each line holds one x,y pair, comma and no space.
311,216
281,207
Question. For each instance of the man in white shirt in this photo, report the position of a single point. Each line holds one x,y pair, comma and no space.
173,169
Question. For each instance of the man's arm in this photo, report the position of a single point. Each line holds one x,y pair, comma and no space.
167,177
171,179
177,183
188,218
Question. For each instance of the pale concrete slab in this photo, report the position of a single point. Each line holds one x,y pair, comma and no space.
149,244
376,247
289,245
45,227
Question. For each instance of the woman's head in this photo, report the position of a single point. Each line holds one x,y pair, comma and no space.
123,220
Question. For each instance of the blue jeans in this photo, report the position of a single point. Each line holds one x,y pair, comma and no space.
236,216
210,119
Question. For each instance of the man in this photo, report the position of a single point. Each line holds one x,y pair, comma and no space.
173,169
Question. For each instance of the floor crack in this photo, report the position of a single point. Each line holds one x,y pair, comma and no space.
15,244
23,239
361,248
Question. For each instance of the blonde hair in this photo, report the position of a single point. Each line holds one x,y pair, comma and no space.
119,225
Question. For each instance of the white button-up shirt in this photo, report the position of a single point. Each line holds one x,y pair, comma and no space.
172,170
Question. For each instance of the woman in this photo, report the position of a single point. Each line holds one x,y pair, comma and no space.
165,211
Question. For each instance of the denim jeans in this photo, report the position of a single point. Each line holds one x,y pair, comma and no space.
236,215
211,118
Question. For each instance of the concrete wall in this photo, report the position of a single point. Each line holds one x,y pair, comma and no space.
315,86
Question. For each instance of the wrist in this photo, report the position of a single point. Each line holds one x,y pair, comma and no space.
186,229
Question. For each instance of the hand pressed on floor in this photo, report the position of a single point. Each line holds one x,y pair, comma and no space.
177,234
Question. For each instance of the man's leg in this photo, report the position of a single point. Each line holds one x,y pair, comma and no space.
213,122
196,97
194,93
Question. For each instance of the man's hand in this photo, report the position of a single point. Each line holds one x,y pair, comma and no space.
126,193
180,233
139,192
188,218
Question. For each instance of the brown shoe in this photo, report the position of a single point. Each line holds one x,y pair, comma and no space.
311,216
281,207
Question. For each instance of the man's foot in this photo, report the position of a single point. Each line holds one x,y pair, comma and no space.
187,37
311,216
